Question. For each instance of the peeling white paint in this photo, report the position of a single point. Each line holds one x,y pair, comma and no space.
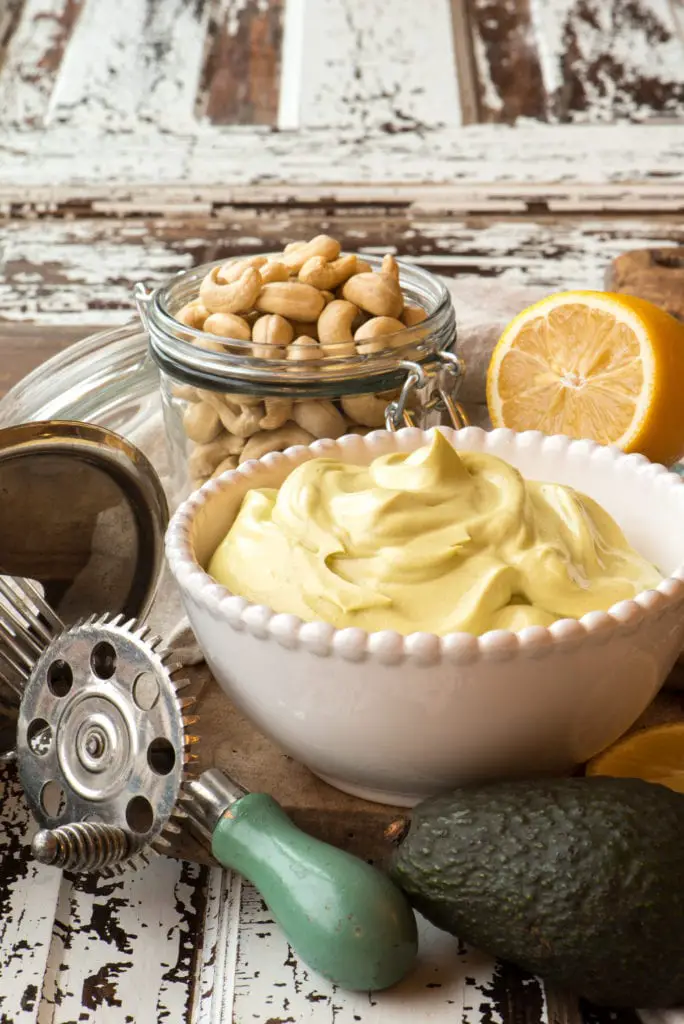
613,51
116,947
28,899
140,67
475,155
489,95
25,86
376,64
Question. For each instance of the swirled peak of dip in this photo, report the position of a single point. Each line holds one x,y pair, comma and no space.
433,540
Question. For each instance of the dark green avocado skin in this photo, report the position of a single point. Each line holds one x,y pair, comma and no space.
580,881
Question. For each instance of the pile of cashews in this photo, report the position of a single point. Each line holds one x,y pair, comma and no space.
309,302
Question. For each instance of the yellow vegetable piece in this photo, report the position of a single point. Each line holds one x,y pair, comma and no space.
593,365
655,755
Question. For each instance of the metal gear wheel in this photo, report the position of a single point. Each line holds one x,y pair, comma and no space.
104,744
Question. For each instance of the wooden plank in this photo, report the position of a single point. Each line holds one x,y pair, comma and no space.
103,263
59,272
509,76
450,983
241,75
592,157
583,61
372,65
214,990
175,202
137,61
28,898
9,19
609,60
466,70
125,950
34,55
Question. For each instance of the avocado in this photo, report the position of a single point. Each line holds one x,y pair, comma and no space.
580,881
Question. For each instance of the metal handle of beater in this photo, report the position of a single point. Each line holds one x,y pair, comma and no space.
343,917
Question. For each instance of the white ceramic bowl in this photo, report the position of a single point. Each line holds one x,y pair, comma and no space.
394,718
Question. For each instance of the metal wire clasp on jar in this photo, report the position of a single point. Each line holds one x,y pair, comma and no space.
228,399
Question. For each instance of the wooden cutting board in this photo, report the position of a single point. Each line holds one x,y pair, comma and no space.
229,742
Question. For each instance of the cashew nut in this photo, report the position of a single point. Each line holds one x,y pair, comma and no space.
390,266
363,267
374,334
291,299
376,293
234,269
274,441
230,462
185,392
304,348
193,314
297,253
237,417
335,328
237,297
204,458
241,420
201,422
272,329
328,296
273,271
278,412
228,325
413,315
320,418
325,274
366,410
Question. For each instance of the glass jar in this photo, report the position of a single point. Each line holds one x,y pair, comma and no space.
227,400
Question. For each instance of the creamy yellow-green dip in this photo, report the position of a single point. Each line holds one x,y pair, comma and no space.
433,540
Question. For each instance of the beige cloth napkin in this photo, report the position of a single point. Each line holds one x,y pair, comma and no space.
483,308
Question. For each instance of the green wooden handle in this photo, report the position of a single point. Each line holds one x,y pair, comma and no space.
344,918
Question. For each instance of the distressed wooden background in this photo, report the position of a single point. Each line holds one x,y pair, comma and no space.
526,141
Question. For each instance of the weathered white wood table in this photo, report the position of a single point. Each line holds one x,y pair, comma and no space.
529,142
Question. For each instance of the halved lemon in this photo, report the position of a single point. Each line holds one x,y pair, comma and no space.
593,365
655,755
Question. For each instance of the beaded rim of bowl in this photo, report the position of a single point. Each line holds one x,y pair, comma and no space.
387,646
